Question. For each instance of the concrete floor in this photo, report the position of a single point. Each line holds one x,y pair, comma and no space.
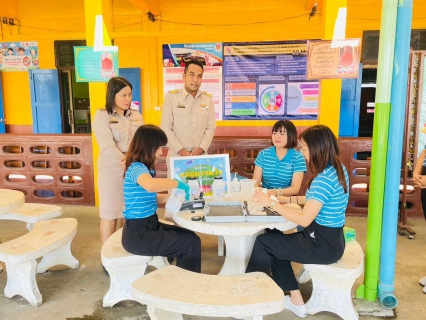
77,294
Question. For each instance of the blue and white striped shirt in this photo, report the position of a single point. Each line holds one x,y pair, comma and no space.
138,203
279,173
327,189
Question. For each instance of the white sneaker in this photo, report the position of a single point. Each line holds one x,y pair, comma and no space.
303,276
299,311
423,281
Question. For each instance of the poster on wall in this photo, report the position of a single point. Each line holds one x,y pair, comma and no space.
422,114
333,59
205,168
91,66
19,56
267,80
209,54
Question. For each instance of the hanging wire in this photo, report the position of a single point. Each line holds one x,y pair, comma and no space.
234,24
153,19
126,25
46,29
227,7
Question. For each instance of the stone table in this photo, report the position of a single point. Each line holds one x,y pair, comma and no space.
239,237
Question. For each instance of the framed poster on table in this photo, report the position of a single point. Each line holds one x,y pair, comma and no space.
205,168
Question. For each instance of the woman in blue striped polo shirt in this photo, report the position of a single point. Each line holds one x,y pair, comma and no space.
280,168
143,234
323,216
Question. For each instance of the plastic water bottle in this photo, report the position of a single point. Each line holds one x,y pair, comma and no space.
218,188
235,188
194,188
175,201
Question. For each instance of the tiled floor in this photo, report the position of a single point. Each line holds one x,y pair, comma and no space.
77,294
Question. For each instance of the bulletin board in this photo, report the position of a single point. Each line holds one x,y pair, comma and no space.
249,81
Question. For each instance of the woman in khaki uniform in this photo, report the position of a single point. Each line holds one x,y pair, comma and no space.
114,128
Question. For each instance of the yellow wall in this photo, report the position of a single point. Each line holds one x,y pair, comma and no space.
140,40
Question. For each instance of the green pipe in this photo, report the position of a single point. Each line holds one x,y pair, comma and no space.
369,290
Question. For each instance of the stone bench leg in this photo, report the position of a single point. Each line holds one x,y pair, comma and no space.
333,295
21,281
61,255
303,276
121,279
220,246
159,314
159,262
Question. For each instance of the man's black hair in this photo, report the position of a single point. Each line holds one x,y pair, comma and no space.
196,62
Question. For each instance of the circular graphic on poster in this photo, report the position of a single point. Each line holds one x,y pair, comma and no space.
271,100
294,98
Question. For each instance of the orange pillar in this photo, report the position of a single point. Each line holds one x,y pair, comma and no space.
97,91
334,23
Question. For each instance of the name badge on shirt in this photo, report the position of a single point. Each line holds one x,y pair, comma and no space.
134,119
180,106
203,107
113,120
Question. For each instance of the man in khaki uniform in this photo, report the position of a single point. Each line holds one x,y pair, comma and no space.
188,118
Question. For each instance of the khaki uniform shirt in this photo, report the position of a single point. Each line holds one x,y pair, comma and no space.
187,121
115,132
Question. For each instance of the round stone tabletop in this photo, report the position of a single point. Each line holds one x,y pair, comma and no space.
10,200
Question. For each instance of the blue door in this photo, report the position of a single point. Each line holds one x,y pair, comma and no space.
2,126
134,77
45,101
350,101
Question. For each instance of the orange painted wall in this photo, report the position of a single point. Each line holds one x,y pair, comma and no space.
140,40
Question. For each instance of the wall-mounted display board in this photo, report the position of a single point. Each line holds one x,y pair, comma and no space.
333,59
267,80
19,56
209,54
95,66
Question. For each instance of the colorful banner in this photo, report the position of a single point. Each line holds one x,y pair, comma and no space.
267,80
210,54
204,168
93,66
333,59
19,56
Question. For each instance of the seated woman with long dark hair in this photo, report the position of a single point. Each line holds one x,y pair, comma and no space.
323,216
143,234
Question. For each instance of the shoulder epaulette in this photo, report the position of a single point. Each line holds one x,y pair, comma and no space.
207,94
175,91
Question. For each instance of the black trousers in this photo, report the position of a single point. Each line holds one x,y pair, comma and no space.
315,244
149,237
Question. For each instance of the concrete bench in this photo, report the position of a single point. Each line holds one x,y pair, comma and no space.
332,283
32,213
123,268
423,283
171,291
49,239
